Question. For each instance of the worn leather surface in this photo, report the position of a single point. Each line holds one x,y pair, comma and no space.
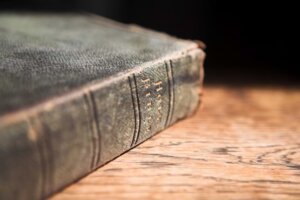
77,91
44,55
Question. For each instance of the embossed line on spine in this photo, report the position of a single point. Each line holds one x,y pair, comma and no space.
39,145
169,69
96,147
136,107
44,147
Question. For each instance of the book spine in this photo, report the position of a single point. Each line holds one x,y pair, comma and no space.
45,151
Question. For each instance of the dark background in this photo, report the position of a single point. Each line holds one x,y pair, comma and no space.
248,42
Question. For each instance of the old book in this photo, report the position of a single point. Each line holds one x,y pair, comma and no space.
78,90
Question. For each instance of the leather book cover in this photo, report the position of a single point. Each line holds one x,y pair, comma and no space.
77,90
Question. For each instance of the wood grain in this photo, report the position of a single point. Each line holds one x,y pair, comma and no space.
244,144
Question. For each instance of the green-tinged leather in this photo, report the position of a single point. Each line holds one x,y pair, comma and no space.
45,55
46,146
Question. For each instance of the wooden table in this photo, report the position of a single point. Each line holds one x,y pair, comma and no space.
243,144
